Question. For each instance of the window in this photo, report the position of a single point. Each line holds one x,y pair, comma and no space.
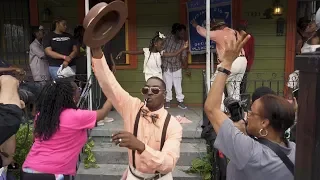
125,39
14,31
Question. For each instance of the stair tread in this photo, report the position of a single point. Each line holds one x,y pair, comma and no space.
118,169
184,148
191,130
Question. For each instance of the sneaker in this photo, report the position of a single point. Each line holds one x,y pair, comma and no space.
107,120
181,105
167,105
100,123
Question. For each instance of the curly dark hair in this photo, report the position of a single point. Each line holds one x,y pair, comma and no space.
53,99
177,27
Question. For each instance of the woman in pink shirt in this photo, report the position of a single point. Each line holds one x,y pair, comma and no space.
60,132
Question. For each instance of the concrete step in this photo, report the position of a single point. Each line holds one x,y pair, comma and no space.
109,153
115,171
107,139
190,131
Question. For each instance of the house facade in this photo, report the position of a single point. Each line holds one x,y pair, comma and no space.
274,57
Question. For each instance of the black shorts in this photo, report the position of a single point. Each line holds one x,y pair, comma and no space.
35,176
10,119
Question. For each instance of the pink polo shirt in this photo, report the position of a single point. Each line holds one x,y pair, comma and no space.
151,159
59,154
219,36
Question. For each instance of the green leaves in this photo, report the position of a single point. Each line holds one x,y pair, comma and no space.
90,160
24,141
202,166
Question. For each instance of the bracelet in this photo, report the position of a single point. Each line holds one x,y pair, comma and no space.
64,57
223,70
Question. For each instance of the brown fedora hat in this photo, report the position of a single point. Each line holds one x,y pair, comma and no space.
103,22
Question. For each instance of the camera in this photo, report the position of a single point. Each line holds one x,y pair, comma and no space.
235,108
28,92
26,96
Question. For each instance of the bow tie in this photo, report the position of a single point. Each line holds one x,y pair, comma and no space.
146,113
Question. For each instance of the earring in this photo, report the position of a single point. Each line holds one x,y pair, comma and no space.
261,132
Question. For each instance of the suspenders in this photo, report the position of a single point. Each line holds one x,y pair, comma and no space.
163,136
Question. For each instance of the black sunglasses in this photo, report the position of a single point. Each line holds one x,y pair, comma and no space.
154,90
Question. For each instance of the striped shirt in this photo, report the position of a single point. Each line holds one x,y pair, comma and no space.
171,45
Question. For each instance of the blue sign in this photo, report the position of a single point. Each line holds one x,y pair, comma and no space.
219,9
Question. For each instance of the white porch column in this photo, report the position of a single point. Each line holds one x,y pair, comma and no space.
88,62
208,44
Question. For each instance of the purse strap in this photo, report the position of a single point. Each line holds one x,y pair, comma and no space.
163,136
276,149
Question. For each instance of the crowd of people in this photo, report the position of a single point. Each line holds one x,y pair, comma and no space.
151,135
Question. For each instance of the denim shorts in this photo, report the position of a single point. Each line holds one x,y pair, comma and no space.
29,174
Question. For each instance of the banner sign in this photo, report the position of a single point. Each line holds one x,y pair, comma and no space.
219,9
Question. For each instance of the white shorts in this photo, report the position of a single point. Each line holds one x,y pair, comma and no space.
149,75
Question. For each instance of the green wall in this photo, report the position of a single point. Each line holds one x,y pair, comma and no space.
155,16
268,67
67,9
270,49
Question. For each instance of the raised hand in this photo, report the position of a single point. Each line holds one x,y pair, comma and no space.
186,45
233,48
194,23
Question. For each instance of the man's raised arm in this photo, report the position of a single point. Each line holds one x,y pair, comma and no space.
119,98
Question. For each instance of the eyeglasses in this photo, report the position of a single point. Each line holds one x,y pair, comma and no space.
154,90
250,113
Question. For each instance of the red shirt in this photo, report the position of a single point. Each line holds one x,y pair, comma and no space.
249,52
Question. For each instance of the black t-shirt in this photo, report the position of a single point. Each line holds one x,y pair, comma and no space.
60,43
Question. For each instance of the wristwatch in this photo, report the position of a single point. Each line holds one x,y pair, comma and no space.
223,70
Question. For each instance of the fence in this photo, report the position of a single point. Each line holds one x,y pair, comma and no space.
251,81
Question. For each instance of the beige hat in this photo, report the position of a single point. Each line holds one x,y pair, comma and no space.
216,23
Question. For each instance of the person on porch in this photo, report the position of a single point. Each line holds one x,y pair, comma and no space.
61,49
220,31
153,54
305,29
37,59
172,66
249,53
151,155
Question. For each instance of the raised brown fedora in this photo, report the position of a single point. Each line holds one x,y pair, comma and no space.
103,22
